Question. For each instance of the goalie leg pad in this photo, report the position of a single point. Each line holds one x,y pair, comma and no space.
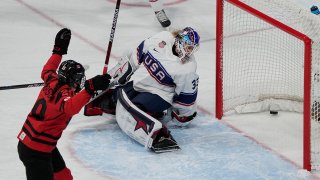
134,122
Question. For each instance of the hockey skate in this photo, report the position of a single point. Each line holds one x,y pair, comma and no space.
163,19
165,144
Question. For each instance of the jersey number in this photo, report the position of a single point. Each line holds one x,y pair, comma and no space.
39,109
195,83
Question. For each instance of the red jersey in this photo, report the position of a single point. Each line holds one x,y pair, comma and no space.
51,112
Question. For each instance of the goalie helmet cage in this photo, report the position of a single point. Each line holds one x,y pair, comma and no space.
268,50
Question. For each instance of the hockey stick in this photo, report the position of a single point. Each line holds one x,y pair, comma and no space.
21,86
88,109
86,67
113,29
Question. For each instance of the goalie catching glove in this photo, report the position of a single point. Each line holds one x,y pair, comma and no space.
121,74
123,70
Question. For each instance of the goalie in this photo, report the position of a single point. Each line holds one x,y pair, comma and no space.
162,74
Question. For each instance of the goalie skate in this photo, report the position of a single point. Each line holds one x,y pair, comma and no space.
163,19
165,144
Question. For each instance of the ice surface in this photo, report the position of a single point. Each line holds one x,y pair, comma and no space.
93,147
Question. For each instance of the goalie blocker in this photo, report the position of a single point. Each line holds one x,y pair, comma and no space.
142,127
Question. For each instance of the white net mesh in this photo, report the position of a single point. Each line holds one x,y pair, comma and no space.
262,63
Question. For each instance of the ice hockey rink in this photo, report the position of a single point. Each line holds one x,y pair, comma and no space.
251,146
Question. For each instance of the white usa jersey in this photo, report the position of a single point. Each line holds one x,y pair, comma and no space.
159,71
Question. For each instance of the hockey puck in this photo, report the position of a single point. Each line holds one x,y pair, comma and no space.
274,112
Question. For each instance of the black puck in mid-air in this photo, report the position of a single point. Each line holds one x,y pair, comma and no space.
274,112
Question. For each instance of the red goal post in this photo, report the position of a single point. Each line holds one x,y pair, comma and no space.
267,52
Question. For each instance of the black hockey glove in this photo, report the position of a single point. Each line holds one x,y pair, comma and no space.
99,82
62,41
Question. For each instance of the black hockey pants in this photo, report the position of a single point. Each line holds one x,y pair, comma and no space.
40,165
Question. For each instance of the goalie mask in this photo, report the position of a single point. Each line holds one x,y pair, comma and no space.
72,73
187,43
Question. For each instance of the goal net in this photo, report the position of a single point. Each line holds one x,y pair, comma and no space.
268,58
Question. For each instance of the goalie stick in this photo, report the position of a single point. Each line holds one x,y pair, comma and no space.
113,30
89,110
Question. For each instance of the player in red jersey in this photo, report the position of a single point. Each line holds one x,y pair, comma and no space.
60,98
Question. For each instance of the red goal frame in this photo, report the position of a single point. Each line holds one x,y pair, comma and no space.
307,68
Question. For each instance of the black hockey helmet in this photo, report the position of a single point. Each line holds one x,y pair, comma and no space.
72,73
